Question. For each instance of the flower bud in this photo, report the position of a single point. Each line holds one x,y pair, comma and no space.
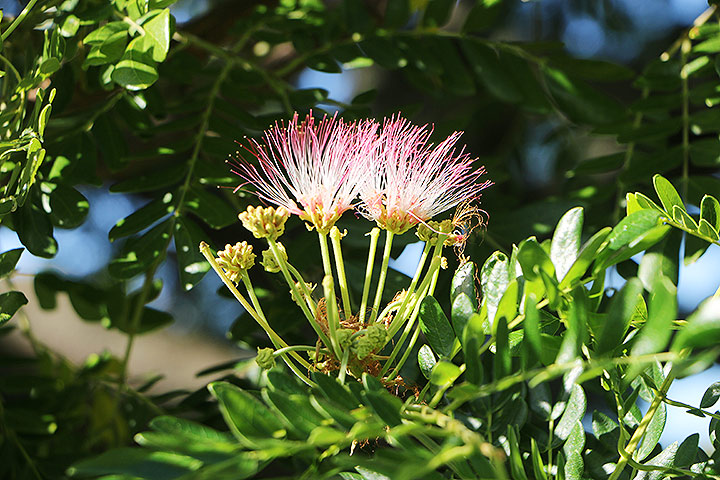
265,222
373,339
431,231
310,287
265,358
343,336
236,259
269,263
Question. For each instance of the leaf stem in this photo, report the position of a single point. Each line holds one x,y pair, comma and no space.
374,234
18,20
627,452
335,237
383,274
415,279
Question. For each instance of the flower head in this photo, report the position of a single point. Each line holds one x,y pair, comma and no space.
311,168
412,180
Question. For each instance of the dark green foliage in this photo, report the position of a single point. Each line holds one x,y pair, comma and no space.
529,340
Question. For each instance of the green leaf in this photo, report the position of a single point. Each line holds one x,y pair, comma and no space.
150,320
154,180
517,471
246,416
660,261
622,307
135,70
156,39
574,412
580,102
436,327
97,37
444,373
566,241
573,448
210,208
109,51
710,211
665,458
533,259
426,360
702,328
494,278
635,233
143,217
662,311
334,391
585,257
711,396
502,361
576,323
652,434
35,231
296,410
137,462
437,12
66,207
538,466
139,253
10,302
667,193
532,341
191,263
8,260
386,406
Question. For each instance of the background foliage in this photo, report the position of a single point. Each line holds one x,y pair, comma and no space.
119,96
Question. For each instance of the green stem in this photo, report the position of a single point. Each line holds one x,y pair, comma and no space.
340,267
12,68
415,279
437,253
291,283
627,452
684,52
277,340
343,366
303,286
398,322
299,348
333,318
383,274
18,20
388,309
134,321
407,350
374,234
258,317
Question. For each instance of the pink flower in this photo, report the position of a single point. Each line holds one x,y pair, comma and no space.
311,168
413,180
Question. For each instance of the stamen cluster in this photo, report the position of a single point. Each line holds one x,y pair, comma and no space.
317,170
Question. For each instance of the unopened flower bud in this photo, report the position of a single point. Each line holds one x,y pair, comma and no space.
431,231
310,288
265,222
236,259
265,358
373,339
343,336
269,263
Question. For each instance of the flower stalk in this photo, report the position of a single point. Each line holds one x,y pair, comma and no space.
383,274
374,235
335,237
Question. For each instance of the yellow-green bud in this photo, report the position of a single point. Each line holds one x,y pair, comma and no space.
265,222
343,336
269,262
373,339
265,358
236,259
431,231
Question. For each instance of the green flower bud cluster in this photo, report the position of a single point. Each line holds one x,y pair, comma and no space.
431,231
373,339
265,222
236,259
265,358
269,263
